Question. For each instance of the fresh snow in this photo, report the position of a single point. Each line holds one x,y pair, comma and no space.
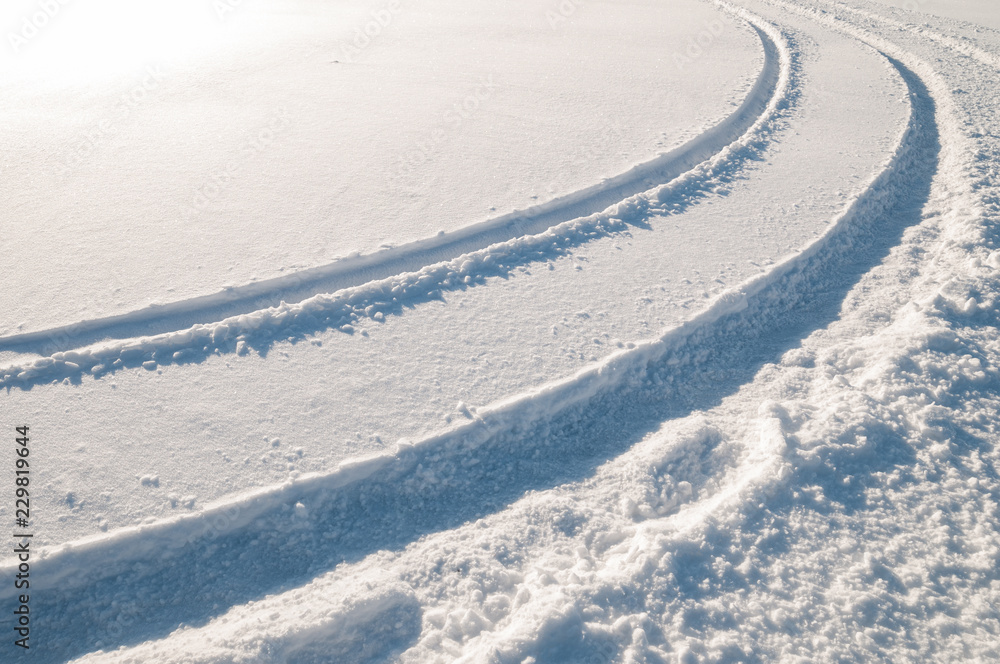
274,152
733,403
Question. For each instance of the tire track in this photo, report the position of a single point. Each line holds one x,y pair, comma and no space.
412,257
377,299
263,543
969,50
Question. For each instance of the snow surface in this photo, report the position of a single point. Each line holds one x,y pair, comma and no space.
745,412
274,151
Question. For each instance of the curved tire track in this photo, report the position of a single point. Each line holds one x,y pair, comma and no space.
966,49
413,256
236,552
376,299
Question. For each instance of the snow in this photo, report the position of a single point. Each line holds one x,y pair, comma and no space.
271,152
735,403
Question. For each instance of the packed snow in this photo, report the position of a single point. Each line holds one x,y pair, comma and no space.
585,332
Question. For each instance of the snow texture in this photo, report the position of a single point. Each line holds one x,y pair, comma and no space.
799,466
